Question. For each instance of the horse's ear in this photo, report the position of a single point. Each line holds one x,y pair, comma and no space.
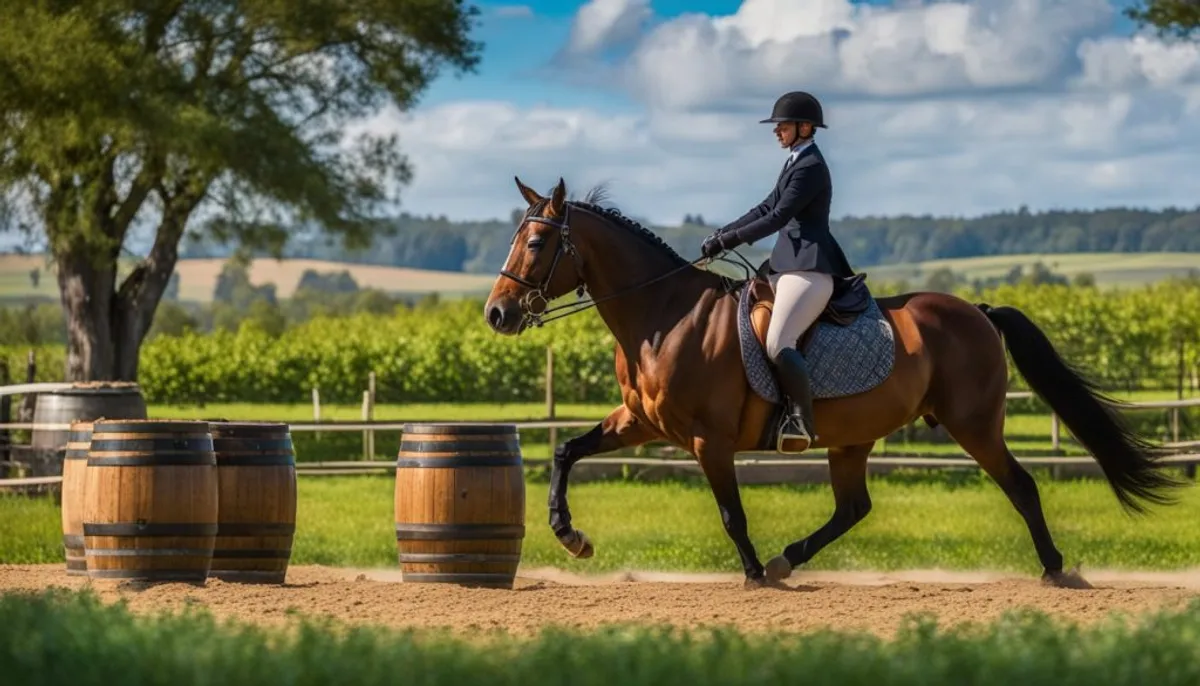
531,196
559,197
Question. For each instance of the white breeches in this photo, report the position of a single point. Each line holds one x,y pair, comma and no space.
800,297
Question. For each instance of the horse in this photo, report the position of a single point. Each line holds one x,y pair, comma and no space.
681,364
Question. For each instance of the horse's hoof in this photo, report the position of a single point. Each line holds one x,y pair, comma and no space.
1070,579
755,583
778,568
577,544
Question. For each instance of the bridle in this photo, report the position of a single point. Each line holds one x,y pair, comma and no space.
537,291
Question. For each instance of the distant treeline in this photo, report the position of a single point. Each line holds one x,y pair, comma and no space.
479,247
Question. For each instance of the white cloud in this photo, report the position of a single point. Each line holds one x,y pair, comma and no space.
838,47
944,108
513,11
600,24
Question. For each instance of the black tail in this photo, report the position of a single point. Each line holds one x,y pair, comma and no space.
1130,463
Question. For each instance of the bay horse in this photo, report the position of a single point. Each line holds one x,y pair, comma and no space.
680,369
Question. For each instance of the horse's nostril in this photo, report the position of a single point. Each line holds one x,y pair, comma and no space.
496,317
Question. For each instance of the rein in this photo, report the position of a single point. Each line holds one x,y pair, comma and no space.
565,245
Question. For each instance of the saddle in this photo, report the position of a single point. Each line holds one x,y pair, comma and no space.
850,298
848,350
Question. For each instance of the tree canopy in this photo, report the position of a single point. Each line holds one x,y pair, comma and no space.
237,119
1178,17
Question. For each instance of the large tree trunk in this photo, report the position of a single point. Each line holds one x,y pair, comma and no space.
106,326
141,292
86,284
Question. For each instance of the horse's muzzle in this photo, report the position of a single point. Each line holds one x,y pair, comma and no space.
504,318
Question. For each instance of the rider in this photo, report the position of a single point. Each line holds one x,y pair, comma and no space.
805,260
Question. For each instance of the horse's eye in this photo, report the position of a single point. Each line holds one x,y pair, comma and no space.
535,243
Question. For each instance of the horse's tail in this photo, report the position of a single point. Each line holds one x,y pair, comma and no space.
1130,463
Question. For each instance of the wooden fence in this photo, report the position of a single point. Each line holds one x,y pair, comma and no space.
753,467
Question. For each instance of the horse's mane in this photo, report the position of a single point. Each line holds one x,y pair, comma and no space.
591,202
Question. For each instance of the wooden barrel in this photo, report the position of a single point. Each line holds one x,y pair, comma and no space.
150,500
84,401
256,471
460,504
74,470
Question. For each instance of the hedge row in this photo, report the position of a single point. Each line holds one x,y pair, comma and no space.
1127,340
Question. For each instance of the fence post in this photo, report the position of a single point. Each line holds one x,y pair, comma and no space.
1054,431
550,396
5,418
371,413
316,404
29,401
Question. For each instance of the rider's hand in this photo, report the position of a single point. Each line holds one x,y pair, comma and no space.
713,245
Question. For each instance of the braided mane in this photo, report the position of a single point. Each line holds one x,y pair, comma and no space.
590,203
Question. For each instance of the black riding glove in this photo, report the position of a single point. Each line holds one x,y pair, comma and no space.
714,245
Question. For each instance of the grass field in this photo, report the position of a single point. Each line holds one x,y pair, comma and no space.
198,276
917,521
1109,269
57,637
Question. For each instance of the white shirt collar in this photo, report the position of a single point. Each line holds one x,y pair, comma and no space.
799,149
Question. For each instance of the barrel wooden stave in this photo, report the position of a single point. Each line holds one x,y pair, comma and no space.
84,401
460,504
74,473
257,492
150,500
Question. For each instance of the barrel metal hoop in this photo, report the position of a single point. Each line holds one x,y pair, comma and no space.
158,459
169,529
458,462
458,532
433,558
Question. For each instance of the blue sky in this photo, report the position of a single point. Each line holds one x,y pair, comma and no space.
959,107
520,38
946,107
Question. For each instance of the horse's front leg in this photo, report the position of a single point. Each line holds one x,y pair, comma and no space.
716,459
618,430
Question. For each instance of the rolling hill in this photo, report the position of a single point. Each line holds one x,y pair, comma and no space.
1121,270
197,277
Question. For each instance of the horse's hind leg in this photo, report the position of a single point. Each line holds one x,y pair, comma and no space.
984,441
852,502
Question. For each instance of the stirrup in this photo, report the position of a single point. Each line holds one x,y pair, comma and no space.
792,429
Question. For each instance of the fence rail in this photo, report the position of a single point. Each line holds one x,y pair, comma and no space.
370,426
768,468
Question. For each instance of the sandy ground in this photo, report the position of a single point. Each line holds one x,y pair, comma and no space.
543,597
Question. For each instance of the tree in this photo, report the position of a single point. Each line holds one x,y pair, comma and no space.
220,117
1180,17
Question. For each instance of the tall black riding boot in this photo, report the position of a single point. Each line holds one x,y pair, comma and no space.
793,375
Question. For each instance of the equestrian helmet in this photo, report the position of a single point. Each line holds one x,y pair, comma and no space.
797,106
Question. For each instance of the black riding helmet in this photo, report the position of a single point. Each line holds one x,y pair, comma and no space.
797,106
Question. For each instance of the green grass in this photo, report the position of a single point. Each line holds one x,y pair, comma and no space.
952,521
1126,270
60,638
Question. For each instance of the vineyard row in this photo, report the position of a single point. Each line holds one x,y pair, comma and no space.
446,353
